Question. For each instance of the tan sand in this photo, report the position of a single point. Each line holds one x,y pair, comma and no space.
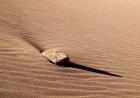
102,34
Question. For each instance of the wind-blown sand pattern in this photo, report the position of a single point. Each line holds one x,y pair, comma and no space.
100,34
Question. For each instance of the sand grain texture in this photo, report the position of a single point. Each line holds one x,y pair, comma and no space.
95,33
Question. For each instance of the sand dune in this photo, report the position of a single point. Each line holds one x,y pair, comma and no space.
99,34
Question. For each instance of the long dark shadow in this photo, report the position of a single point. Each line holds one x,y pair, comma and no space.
78,66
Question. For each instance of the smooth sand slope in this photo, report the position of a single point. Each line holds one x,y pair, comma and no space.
101,34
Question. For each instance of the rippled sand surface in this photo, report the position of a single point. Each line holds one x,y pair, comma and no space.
101,34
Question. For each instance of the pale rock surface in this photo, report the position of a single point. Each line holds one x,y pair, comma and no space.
55,56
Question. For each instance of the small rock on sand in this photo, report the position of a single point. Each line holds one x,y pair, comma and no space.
55,56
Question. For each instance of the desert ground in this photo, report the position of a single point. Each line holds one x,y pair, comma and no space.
101,35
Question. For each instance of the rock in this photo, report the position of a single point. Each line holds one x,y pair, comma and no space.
55,56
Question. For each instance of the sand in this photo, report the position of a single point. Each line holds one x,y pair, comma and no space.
100,34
